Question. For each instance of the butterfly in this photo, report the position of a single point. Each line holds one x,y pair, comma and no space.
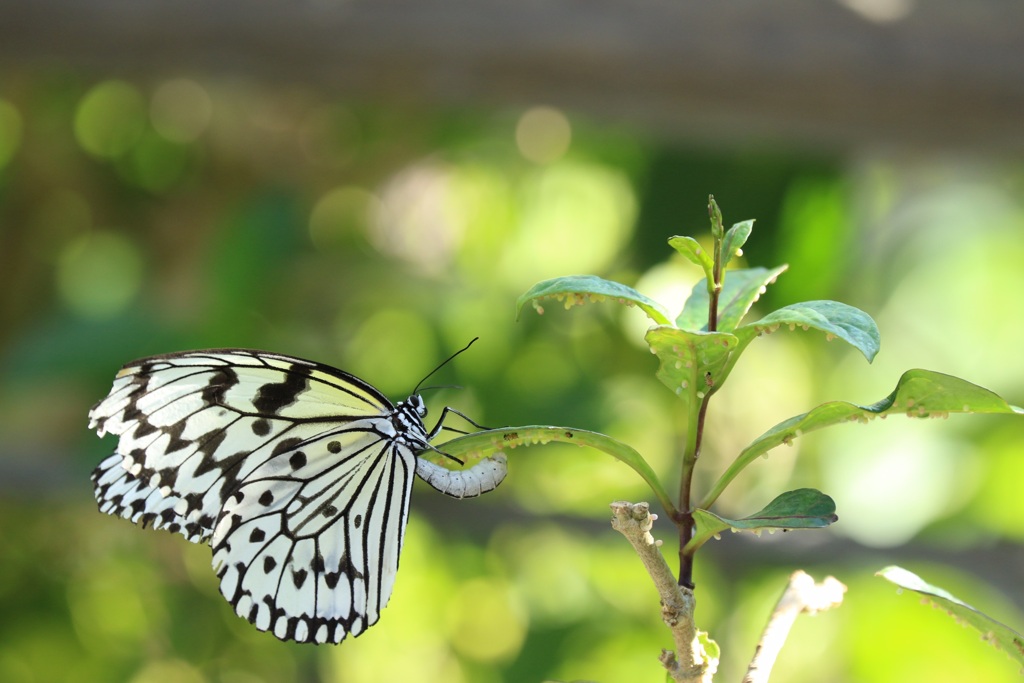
298,475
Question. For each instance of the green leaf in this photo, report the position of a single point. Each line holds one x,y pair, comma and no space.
484,443
691,363
850,324
734,241
579,289
999,635
919,393
799,509
739,292
696,254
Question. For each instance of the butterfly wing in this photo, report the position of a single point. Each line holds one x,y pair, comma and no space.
124,495
297,474
192,426
308,546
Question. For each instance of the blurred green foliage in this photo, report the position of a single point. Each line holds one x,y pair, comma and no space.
150,216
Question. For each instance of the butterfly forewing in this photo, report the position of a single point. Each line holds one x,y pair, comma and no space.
196,424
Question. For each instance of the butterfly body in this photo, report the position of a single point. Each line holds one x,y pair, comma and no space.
297,474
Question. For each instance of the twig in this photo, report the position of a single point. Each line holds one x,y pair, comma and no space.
801,595
690,662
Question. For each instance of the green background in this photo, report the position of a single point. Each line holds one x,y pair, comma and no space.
151,216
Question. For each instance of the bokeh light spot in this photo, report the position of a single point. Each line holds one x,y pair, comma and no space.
893,482
394,349
543,134
168,671
112,605
110,119
668,283
99,274
555,592
155,163
10,131
416,221
485,621
881,11
339,214
180,110
575,218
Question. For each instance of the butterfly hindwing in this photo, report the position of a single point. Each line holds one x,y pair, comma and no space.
308,546
124,495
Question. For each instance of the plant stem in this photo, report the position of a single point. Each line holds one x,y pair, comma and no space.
697,415
690,662
695,433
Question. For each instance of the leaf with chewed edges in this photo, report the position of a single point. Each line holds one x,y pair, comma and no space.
1001,636
919,393
692,364
734,240
839,320
574,290
484,443
799,509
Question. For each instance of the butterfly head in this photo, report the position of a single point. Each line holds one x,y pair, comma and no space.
416,404
407,419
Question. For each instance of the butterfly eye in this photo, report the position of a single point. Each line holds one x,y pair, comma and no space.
416,401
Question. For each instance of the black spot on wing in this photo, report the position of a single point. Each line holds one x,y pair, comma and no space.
273,397
285,445
221,381
261,427
297,460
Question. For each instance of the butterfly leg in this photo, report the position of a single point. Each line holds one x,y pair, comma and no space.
440,422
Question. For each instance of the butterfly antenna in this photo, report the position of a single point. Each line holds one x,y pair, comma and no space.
439,386
445,362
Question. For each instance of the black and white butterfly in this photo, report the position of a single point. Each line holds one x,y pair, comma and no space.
298,475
